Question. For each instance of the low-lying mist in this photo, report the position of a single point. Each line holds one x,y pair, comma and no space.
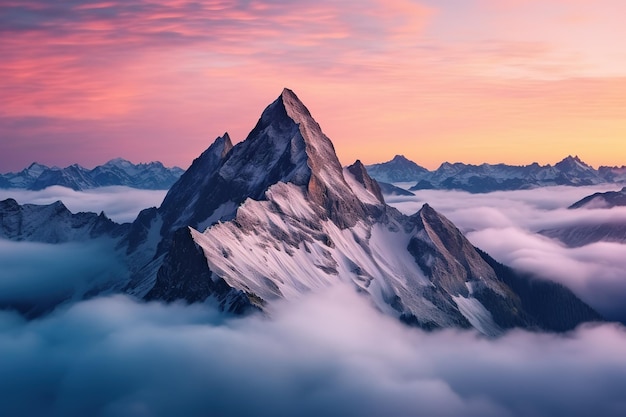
326,354
329,353
37,276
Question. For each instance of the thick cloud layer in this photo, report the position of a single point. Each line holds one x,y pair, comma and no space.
35,277
120,204
505,224
327,354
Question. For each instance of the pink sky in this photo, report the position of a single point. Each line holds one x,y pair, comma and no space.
513,81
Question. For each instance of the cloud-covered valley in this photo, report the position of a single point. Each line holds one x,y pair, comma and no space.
328,353
37,276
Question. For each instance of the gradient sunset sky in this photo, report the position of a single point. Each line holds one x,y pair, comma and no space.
514,81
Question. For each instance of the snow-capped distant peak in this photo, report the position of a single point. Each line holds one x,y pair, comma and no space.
35,166
118,162
400,158
571,163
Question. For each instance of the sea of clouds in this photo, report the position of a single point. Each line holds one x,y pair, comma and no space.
327,354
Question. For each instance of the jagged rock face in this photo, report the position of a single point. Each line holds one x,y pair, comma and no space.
294,221
286,145
186,259
196,195
327,186
280,248
442,251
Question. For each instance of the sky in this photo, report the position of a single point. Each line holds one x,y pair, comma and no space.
514,81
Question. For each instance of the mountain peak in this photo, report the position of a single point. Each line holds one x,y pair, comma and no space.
287,93
36,165
572,160
289,143
360,174
118,160
192,199
286,146
399,169
224,143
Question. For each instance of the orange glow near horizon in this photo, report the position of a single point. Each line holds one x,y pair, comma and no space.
484,81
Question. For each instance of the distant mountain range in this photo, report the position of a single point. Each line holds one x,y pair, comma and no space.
499,177
276,216
150,176
457,176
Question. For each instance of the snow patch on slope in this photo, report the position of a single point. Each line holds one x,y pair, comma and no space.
357,188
